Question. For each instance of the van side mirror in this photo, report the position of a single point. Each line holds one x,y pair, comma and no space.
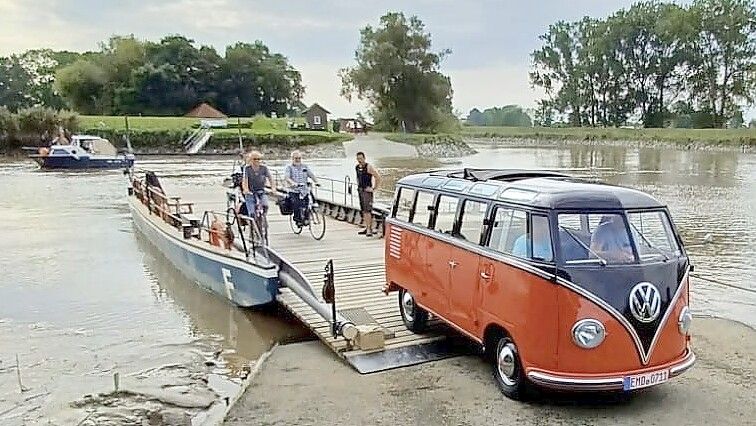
431,208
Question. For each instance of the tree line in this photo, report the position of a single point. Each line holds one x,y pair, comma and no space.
658,63
507,115
169,77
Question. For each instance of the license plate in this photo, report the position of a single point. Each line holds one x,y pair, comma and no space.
645,380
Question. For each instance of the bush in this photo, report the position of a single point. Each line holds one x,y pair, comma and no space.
8,124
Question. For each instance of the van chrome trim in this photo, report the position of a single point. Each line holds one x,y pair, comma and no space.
476,248
685,366
554,381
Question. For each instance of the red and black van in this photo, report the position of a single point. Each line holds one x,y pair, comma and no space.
566,283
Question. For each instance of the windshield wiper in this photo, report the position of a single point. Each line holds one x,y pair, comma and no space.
600,259
648,243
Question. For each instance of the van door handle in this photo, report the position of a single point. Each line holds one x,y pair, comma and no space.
453,264
485,276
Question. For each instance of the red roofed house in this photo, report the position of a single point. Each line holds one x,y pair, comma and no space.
209,116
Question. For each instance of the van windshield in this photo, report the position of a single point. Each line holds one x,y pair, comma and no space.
615,238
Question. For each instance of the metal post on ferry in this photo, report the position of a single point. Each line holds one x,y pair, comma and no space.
329,295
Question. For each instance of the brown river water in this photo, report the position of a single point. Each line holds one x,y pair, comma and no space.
83,296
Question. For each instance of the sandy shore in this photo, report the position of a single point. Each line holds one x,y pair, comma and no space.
303,384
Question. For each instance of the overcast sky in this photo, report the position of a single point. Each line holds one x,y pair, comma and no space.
490,40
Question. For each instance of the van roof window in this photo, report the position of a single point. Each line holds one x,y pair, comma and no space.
484,189
516,194
456,185
433,182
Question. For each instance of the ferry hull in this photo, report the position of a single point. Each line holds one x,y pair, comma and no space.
242,283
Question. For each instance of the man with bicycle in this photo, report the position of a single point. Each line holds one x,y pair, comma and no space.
296,175
253,184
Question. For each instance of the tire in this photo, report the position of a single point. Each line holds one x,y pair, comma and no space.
294,227
507,369
414,317
317,224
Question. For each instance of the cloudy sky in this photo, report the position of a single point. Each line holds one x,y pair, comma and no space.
490,40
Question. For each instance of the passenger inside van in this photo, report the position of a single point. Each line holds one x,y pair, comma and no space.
610,240
541,240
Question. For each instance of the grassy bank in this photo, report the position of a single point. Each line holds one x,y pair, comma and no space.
733,137
167,133
422,138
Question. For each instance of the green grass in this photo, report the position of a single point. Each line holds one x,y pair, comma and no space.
136,123
708,136
254,126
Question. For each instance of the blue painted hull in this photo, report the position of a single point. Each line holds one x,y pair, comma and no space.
71,163
243,283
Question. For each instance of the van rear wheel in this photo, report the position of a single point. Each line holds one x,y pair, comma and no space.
414,317
508,371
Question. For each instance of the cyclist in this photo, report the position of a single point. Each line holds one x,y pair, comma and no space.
253,183
296,175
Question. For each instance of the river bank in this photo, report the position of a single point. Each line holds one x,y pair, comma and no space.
306,384
656,144
733,138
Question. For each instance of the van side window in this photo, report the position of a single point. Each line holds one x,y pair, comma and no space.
535,245
404,204
471,227
423,207
447,211
508,225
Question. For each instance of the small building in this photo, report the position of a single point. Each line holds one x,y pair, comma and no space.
317,117
209,116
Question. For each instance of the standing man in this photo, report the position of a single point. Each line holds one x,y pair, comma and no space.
253,183
367,182
296,175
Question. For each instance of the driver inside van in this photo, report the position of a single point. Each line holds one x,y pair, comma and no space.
610,240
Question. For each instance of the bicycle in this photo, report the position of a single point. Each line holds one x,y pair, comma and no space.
312,216
258,232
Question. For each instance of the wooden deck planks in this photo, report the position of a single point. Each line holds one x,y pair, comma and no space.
359,277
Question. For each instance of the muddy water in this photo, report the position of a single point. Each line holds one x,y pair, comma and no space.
82,296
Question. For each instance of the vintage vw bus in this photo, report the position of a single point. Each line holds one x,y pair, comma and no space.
565,283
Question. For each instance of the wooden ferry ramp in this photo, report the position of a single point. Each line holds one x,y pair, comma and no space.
359,278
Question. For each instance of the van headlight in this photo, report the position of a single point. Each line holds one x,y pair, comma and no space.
588,333
683,323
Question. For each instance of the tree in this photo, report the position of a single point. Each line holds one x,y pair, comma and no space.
725,61
15,84
254,80
476,118
83,83
398,74
555,70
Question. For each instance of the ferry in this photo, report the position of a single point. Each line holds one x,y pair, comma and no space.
204,247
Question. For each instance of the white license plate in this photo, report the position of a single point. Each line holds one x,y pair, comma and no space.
645,380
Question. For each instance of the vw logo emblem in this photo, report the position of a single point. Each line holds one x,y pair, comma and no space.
645,302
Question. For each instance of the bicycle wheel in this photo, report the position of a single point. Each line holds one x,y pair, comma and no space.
263,220
294,227
317,223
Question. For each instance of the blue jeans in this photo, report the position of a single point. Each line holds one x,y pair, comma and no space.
251,201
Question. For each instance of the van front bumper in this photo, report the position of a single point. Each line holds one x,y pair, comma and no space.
605,383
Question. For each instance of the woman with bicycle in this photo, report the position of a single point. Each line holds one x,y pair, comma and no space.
253,188
296,175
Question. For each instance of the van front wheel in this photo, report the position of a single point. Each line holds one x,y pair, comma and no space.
507,369
415,318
